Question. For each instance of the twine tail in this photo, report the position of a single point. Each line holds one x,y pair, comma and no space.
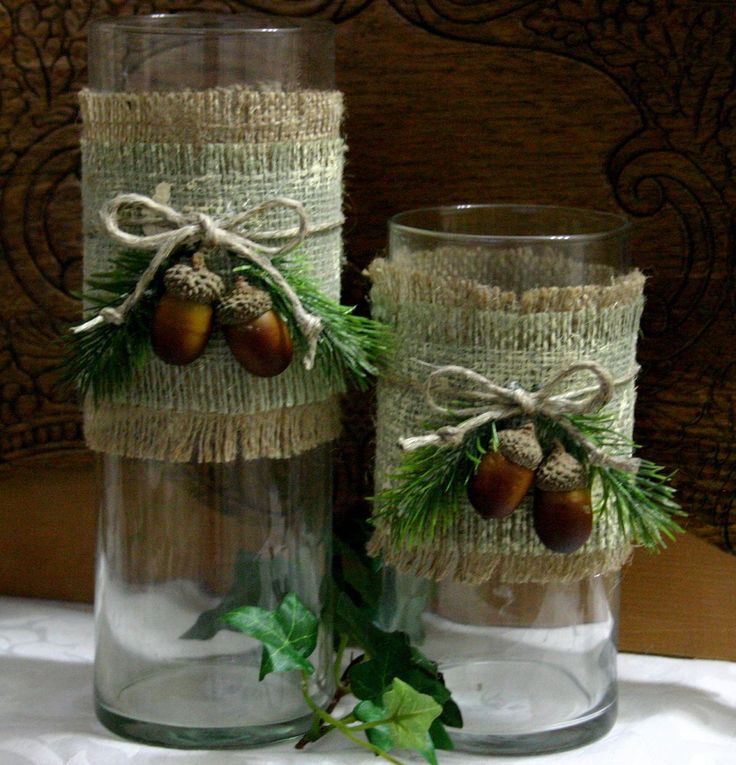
88,325
311,327
598,456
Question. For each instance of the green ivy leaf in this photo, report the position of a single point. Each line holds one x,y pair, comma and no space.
424,683
356,571
451,714
418,659
288,634
434,685
440,738
370,679
428,751
380,737
404,716
357,624
393,656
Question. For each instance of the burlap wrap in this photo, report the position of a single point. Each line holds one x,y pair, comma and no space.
443,311
221,150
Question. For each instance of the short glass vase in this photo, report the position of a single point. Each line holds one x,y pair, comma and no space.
532,665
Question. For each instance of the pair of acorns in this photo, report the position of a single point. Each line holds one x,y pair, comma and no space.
185,317
562,509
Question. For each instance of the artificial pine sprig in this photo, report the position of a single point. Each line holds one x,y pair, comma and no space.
426,490
101,362
644,502
424,498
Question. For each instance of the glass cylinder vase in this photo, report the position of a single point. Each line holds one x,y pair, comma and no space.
524,635
216,483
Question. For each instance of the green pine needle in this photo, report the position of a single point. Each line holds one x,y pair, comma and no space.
644,503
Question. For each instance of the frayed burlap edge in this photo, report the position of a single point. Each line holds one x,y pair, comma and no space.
145,433
217,115
441,563
399,284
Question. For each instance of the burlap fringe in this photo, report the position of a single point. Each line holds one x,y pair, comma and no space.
441,562
235,114
399,285
209,436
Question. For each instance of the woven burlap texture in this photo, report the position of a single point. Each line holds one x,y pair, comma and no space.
461,306
221,150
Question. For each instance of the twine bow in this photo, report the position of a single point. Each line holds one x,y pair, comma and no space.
196,227
498,403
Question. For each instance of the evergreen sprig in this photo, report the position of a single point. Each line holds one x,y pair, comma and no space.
102,361
644,502
425,493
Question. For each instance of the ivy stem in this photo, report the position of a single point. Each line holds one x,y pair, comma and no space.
342,645
341,725
317,730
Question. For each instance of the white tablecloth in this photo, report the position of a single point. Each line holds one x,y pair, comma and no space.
672,711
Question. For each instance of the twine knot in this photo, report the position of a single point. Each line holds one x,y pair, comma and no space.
525,401
450,435
208,230
111,315
496,402
174,229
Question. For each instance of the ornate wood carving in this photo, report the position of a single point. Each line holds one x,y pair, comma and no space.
608,103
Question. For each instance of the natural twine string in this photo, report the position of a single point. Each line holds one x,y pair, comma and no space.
500,403
196,227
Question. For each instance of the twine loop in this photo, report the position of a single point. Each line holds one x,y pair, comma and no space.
496,402
174,229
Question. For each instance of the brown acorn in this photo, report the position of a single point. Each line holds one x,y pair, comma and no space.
183,319
505,476
258,337
562,512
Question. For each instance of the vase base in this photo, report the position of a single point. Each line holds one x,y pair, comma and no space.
502,715
188,737
545,742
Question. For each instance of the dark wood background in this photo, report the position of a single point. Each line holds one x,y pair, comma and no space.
613,104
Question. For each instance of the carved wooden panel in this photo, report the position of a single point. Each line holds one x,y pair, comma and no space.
615,104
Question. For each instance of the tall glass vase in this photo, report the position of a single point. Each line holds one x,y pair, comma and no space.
216,485
524,635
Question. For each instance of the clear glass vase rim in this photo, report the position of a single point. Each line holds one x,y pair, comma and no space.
202,23
620,225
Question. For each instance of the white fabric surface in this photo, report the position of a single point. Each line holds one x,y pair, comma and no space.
672,711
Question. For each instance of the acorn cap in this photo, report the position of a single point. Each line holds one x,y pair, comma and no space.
243,304
194,281
520,446
560,471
